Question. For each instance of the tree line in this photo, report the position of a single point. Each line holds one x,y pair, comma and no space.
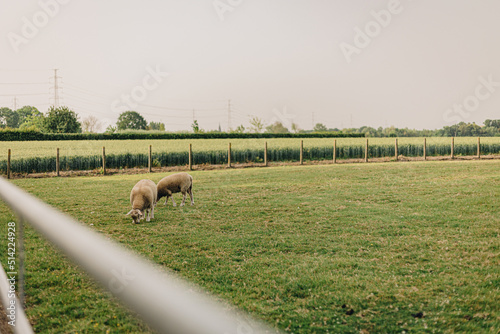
64,120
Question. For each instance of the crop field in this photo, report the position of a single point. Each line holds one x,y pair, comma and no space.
39,157
40,149
371,248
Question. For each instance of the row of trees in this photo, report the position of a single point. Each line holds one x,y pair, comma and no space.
132,120
64,120
490,128
56,120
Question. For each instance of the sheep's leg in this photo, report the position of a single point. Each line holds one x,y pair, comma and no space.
148,214
191,196
183,198
153,211
173,201
166,200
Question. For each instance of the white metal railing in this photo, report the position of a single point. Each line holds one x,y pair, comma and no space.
22,325
163,300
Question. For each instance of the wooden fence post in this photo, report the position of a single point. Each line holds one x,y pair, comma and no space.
301,152
479,147
8,164
265,154
452,147
425,148
103,161
57,162
229,155
366,151
190,162
335,151
150,165
396,149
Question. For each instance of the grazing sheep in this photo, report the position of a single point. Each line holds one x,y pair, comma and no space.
180,182
143,198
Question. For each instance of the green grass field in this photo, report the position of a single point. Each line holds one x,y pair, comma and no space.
349,248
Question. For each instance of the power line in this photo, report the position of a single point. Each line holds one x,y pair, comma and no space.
23,70
24,83
177,109
88,92
88,101
33,94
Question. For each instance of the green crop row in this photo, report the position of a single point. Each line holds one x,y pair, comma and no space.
130,160
30,135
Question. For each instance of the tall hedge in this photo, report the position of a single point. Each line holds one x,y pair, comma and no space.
30,135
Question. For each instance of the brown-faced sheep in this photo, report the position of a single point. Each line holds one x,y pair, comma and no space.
180,182
143,198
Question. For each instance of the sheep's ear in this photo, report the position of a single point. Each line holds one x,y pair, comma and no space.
129,212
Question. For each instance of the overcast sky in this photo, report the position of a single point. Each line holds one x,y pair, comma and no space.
409,63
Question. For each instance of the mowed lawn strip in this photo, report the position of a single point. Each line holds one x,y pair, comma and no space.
337,248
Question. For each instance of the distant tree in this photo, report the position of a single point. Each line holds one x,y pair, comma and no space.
257,125
26,112
156,126
110,129
8,118
276,127
131,120
320,127
495,123
34,122
239,129
61,120
468,129
91,124
195,127
295,128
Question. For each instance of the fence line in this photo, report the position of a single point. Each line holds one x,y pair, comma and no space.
150,162
479,147
452,148
57,162
335,151
425,148
190,157
396,156
166,302
265,154
103,160
300,154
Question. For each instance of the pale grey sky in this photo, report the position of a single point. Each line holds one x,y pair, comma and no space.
407,63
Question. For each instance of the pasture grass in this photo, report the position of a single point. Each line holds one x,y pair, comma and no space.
310,249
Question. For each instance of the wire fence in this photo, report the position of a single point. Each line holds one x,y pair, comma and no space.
219,157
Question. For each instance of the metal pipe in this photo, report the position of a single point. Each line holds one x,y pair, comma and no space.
22,325
166,302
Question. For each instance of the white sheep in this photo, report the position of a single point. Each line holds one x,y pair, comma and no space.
143,198
180,182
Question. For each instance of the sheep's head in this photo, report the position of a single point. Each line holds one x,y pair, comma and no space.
136,215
